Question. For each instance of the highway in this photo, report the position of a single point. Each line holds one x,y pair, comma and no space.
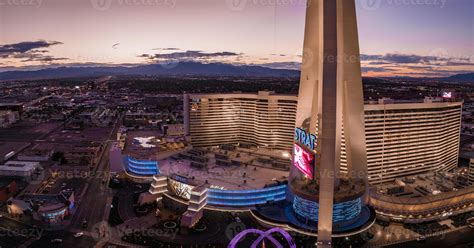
94,203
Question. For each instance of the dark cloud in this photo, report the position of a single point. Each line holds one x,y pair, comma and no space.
379,63
187,55
283,65
398,58
26,46
376,69
411,64
166,49
29,51
394,58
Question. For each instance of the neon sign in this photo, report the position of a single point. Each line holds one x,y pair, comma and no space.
303,160
263,235
448,94
305,138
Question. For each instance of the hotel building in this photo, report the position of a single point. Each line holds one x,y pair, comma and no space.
402,139
265,119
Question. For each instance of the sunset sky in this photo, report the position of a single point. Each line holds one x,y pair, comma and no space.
397,37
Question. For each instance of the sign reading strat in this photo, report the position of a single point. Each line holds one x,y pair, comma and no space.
305,138
303,160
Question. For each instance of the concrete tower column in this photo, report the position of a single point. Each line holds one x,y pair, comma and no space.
330,104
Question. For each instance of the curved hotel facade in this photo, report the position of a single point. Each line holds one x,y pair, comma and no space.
141,168
401,138
404,139
264,119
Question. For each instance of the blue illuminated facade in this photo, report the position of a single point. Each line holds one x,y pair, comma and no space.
54,215
242,198
142,167
344,211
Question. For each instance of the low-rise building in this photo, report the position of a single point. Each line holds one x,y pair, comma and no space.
23,169
8,118
46,210
37,155
173,129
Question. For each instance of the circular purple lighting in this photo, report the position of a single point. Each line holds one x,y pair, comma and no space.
263,235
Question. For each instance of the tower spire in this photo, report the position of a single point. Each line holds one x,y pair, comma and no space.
331,106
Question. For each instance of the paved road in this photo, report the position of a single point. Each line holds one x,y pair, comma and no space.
67,238
13,233
94,203
461,238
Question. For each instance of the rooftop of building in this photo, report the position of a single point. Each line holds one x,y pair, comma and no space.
426,101
248,174
150,145
427,184
19,166
45,200
239,94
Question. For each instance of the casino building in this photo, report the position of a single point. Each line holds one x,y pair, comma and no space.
338,144
404,139
265,119
392,130
140,170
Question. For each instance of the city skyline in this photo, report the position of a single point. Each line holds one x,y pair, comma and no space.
398,38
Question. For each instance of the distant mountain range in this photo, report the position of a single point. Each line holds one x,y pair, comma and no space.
460,78
467,77
181,68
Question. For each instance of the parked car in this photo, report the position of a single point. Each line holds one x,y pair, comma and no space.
78,235
56,241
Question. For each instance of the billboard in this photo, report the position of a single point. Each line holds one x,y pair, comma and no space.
180,189
303,160
447,94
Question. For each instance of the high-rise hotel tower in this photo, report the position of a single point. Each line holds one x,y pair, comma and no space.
330,105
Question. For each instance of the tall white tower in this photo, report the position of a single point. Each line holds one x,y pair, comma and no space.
330,109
